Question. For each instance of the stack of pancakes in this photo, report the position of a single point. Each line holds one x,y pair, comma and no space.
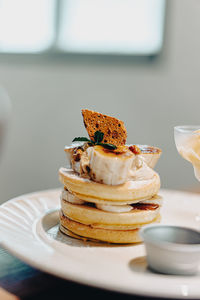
95,207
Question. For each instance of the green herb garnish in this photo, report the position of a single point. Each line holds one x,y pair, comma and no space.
81,139
98,138
108,146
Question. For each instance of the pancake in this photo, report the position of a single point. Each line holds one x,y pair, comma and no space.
76,236
102,201
124,193
140,215
106,235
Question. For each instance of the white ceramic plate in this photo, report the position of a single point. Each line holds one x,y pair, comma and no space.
29,229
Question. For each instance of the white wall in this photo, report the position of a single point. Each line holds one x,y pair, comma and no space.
150,97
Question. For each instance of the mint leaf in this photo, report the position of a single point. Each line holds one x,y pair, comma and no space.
98,136
81,139
108,146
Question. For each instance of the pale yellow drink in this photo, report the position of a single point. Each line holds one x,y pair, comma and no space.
188,146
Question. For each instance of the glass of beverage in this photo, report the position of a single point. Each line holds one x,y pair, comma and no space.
187,139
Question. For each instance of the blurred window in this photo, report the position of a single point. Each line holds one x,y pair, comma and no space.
26,25
82,26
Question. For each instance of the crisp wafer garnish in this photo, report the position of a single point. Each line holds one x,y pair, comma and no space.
113,130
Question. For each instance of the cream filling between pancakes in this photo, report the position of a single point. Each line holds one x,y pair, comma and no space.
114,208
71,198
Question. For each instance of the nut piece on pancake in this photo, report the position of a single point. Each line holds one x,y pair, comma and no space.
114,130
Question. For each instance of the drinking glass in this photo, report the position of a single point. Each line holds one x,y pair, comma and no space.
187,140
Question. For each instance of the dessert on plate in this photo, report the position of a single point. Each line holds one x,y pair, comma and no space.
110,188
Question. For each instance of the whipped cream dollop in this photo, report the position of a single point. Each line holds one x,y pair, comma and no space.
140,170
